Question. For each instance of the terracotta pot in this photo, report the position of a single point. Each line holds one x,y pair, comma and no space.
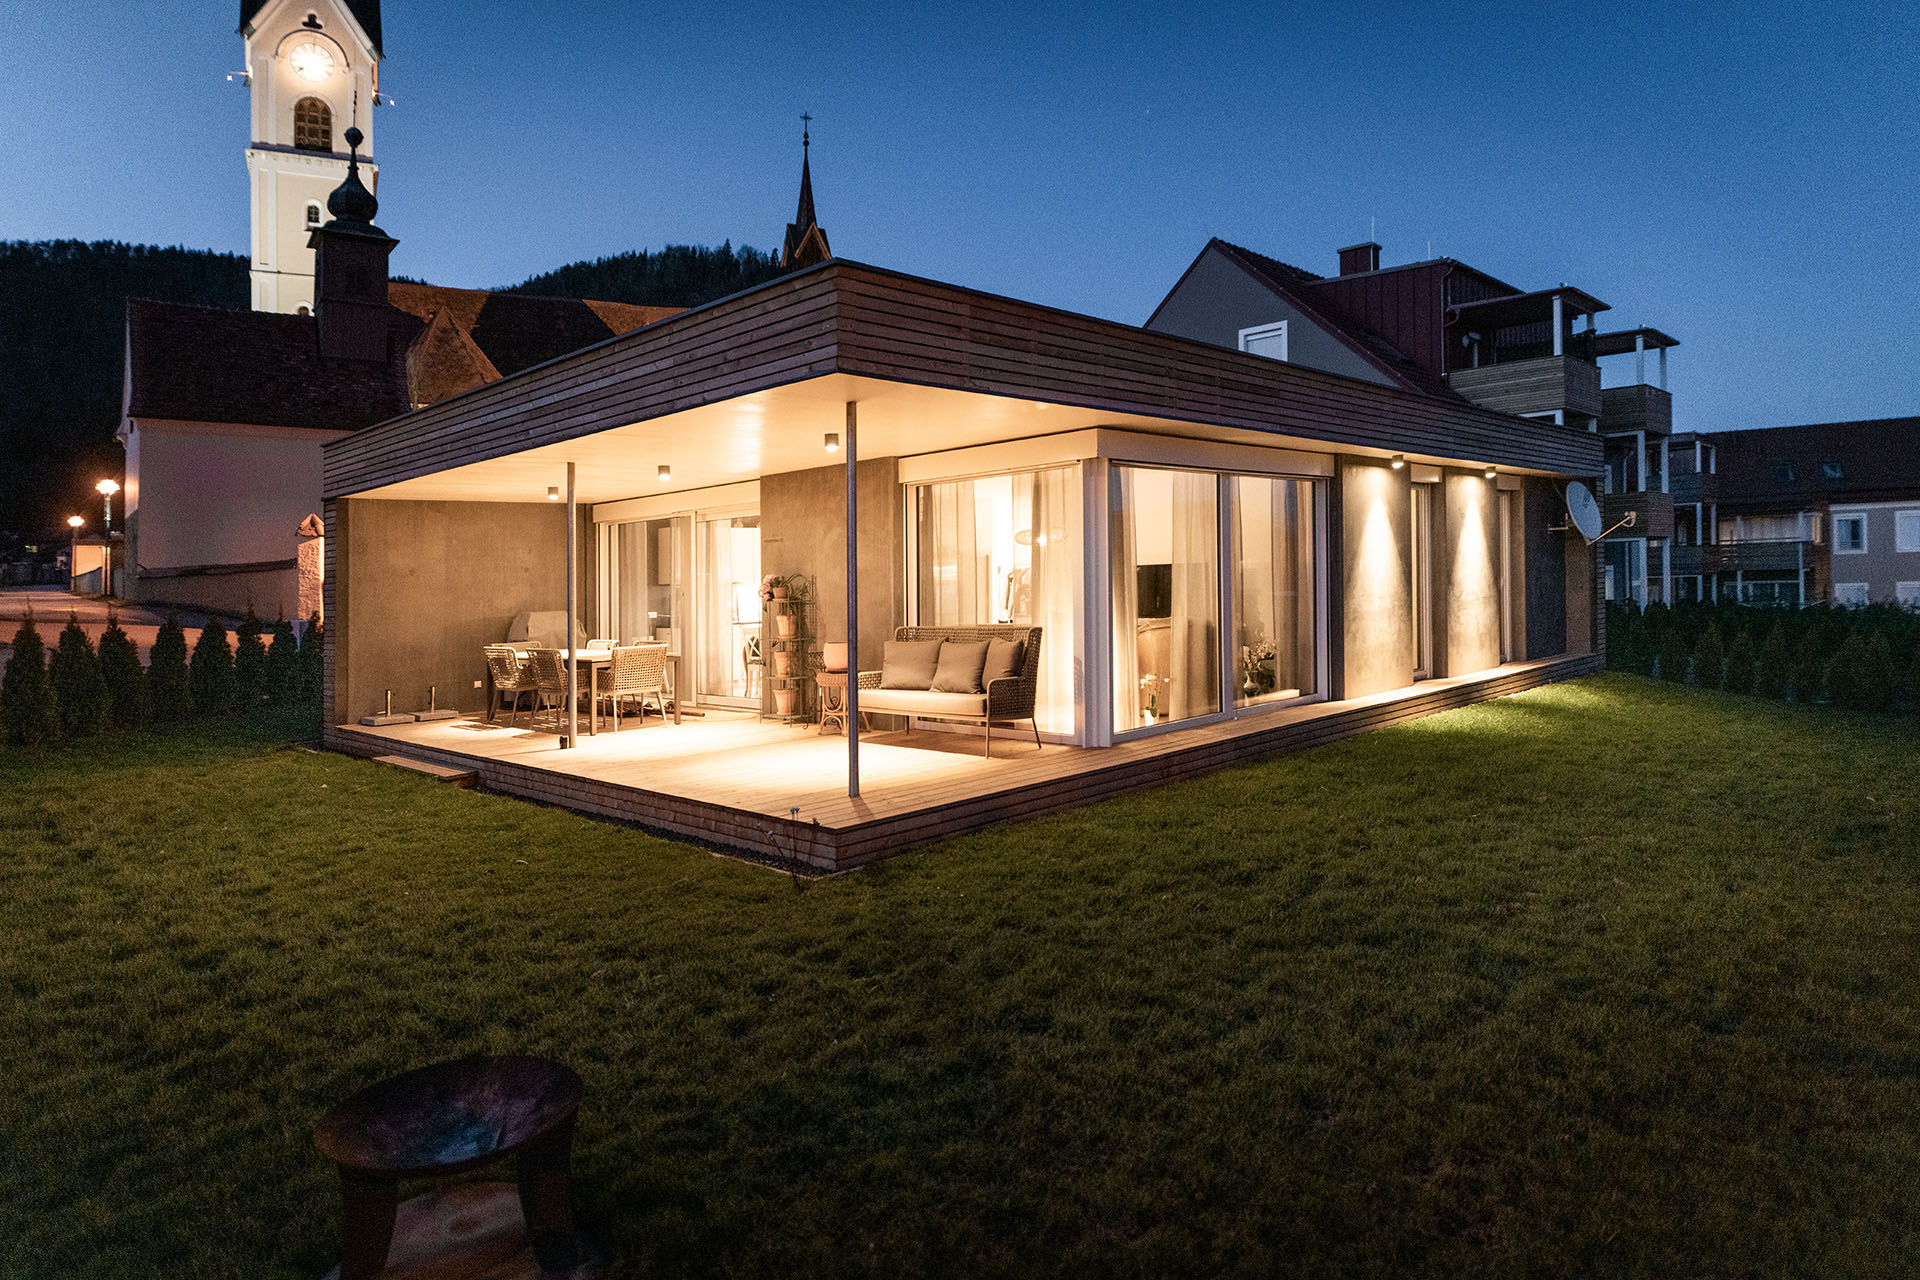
782,662
783,624
783,701
779,593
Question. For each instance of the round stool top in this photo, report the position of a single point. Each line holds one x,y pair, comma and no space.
828,679
449,1116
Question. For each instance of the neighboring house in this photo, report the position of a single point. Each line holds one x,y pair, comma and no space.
225,411
1823,513
1443,328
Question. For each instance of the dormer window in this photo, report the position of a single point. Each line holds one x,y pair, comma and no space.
1784,473
1832,471
312,125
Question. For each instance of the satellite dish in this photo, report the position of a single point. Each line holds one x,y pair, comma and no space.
1584,510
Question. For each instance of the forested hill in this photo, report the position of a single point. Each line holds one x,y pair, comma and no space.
680,275
63,307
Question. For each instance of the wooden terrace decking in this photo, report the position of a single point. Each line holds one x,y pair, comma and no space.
781,790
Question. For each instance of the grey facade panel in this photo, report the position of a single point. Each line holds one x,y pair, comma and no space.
1217,299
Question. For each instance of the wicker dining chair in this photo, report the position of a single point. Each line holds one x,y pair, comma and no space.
640,673
550,681
512,676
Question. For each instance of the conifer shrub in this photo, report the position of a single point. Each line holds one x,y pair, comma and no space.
1773,669
126,679
79,692
311,661
211,671
27,710
1809,666
1739,671
283,664
1673,656
169,687
1860,678
1913,680
1709,658
249,664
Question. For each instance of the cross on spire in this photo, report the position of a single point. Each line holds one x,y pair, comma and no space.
806,243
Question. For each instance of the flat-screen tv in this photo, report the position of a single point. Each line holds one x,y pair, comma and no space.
1154,590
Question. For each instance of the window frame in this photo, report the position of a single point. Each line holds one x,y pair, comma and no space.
316,123
1865,594
1838,547
1910,518
1259,332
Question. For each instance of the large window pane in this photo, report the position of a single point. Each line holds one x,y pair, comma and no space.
1275,640
645,571
1166,595
1006,549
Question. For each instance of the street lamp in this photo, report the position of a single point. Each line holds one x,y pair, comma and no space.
106,489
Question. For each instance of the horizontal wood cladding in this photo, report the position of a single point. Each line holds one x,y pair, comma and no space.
1636,408
964,807
1542,385
1694,486
913,330
1652,514
1743,557
770,336
844,317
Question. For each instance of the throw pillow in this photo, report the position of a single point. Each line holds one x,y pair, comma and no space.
909,664
1005,660
960,665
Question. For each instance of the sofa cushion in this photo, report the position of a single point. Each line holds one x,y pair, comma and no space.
909,664
1005,659
923,702
959,669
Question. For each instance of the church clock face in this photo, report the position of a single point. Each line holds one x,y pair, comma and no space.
312,61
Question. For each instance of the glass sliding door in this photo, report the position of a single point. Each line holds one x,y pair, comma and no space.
726,622
1166,595
1006,549
1276,636
644,582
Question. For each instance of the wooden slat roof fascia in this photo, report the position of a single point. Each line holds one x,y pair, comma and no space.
847,317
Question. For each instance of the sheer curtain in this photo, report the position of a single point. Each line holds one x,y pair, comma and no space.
1126,604
1194,649
955,581
1273,548
1055,565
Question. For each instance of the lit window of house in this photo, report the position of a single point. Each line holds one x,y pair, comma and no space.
1906,530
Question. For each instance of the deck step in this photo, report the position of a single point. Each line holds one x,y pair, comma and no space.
466,778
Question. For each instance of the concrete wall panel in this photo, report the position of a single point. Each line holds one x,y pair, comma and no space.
1376,579
803,530
1472,566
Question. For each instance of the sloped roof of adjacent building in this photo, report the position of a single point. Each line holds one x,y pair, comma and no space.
1870,460
1297,287
365,12
211,364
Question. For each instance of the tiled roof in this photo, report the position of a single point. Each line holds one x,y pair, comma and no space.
1874,460
209,364
1295,285
515,331
367,12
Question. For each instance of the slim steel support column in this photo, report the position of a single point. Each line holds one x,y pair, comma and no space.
573,640
852,447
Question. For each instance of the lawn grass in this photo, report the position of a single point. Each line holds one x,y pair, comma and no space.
1611,978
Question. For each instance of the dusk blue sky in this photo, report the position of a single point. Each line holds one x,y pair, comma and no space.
1746,178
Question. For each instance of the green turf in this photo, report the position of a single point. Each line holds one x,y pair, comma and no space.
1613,978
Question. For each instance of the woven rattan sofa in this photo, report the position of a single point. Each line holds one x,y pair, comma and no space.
1000,702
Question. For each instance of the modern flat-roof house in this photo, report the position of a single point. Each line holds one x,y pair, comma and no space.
1825,513
1446,328
1224,556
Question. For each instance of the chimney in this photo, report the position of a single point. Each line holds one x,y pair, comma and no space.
350,270
1356,258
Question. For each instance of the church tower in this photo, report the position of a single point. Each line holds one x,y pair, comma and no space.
313,69
806,243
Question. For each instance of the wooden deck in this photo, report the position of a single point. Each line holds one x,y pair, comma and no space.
778,790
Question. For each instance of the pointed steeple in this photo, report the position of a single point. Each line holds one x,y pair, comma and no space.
806,243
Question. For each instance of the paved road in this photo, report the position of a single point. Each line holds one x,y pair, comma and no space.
50,607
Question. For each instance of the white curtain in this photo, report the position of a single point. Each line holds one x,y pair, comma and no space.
1194,650
1055,564
955,580
1126,604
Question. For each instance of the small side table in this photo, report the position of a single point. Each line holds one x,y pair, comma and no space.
442,1120
833,701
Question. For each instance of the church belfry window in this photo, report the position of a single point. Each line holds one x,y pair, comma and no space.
312,125
313,215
